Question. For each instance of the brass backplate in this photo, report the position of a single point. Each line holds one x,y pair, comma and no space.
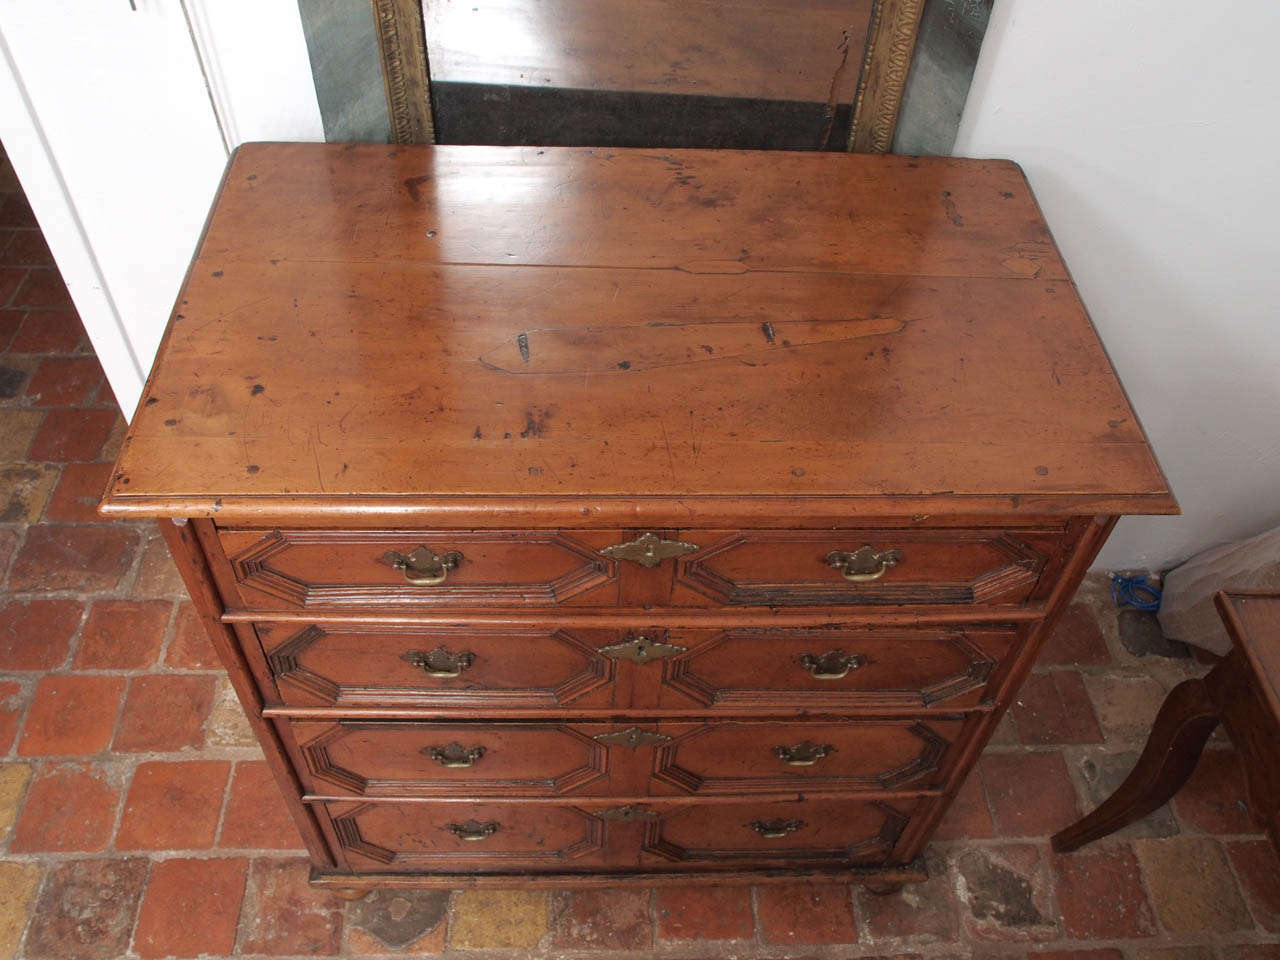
632,737
649,550
642,649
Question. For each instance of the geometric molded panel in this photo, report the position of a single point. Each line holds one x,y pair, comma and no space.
506,664
875,843
917,758
348,567
391,759
789,568
561,834
895,668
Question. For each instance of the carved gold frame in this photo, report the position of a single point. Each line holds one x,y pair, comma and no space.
891,41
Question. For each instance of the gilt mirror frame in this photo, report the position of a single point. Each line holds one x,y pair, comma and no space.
886,63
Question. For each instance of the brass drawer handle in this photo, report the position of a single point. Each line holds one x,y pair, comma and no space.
423,568
440,663
832,665
642,649
454,756
863,564
649,550
804,754
474,830
628,814
776,828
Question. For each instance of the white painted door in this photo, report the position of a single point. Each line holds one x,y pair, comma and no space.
108,117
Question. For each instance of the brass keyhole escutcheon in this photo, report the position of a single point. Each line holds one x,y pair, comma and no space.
649,550
643,648
423,568
864,564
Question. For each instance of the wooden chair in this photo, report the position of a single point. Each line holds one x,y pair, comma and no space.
878,42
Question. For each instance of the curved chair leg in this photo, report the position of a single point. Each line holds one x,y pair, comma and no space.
1184,724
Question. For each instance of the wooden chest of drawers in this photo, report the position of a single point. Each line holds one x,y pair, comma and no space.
612,516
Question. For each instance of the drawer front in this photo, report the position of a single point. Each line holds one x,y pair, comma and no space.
545,671
450,667
489,837
348,569
822,831
834,669
472,837
393,758
960,567
744,757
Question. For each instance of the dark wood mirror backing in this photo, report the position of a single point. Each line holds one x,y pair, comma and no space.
820,75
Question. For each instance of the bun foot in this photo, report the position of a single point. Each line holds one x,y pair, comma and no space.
884,889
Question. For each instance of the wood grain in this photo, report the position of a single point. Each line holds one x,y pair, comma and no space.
697,325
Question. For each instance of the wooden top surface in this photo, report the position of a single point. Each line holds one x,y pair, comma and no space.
433,331
1252,618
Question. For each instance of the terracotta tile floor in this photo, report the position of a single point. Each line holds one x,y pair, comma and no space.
137,819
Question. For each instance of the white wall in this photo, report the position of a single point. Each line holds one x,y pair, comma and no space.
1148,129
111,126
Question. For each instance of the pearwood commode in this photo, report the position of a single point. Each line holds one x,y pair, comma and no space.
627,517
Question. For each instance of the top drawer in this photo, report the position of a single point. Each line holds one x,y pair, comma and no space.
285,569
349,569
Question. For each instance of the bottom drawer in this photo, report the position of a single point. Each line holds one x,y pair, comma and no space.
443,837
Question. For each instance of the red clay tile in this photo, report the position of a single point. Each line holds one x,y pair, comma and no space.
968,816
285,915
86,910
190,648
157,575
256,817
10,280
12,702
27,248
71,716
806,913
1101,896
1213,800
601,919
1030,793
191,908
920,911
1077,639
10,320
122,634
49,331
65,381
69,807
1007,893
1192,886
1054,708
43,290
75,433
75,499
164,712
705,913
36,634
63,557
173,806
1258,868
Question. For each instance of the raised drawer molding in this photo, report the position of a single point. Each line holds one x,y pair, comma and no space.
719,559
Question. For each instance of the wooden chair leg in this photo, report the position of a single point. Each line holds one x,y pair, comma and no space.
1184,724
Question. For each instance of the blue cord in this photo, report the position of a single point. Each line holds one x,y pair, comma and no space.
1135,592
